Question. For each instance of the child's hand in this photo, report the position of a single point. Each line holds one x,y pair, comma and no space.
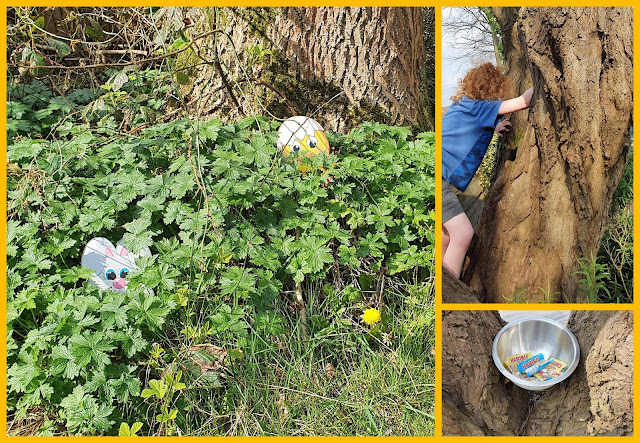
502,127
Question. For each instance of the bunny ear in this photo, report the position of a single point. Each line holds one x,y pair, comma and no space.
122,250
96,252
144,252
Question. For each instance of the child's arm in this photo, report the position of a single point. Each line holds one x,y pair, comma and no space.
516,104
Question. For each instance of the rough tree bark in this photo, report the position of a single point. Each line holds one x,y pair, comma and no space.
596,400
375,57
476,399
455,291
555,178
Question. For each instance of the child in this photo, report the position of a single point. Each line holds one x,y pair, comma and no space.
467,129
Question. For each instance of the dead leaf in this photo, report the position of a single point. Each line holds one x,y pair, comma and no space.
284,411
207,356
330,370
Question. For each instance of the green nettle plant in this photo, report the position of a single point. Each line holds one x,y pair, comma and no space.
232,228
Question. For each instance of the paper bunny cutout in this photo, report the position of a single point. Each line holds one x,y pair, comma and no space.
111,264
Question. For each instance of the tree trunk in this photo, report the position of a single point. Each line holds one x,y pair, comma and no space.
473,390
554,180
372,58
597,399
455,291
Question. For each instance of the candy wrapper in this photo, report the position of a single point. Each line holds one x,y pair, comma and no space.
551,371
535,368
511,362
517,358
530,362
531,370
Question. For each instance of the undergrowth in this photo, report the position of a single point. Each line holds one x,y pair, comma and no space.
219,347
616,249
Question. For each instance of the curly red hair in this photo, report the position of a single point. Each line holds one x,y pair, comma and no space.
484,82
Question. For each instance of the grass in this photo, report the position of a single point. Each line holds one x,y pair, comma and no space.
523,297
344,379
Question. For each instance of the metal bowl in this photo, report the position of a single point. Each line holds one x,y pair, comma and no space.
538,335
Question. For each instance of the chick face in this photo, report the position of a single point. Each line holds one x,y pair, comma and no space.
302,136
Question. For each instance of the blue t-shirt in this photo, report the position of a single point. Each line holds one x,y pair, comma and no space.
467,129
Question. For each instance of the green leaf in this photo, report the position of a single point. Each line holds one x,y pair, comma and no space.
84,415
138,226
113,312
182,78
131,341
63,362
182,183
347,256
24,149
126,385
237,281
136,427
228,319
21,375
270,322
25,300
91,347
149,310
315,253
208,131
73,275
95,220
61,47
157,388
58,243
161,275
95,30
178,44
137,242
34,260
124,430
152,203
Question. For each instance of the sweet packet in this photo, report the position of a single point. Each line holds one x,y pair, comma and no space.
531,370
530,362
555,369
535,368
511,362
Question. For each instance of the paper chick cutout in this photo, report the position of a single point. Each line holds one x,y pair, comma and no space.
110,264
302,136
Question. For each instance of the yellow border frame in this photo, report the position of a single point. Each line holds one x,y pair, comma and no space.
438,4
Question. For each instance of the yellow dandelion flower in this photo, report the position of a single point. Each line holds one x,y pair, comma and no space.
371,316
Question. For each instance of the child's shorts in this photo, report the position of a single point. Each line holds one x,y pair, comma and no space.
450,204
